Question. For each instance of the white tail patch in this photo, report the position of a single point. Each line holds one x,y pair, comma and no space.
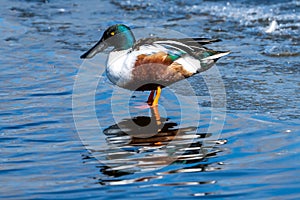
219,55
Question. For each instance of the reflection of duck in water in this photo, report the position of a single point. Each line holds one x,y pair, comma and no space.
144,143
152,63
144,130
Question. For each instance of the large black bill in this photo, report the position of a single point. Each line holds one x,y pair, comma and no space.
100,46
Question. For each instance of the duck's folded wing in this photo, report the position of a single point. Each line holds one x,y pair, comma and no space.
177,48
201,41
182,43
194,47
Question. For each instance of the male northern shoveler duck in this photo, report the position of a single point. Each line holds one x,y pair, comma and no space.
152,63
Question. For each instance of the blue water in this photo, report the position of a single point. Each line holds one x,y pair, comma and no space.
44,154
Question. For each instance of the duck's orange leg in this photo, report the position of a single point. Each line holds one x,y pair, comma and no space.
158,92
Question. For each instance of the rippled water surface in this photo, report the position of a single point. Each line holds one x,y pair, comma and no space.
184,149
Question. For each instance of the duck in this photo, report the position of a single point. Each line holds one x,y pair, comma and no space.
150,64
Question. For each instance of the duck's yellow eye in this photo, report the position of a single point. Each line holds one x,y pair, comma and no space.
112,33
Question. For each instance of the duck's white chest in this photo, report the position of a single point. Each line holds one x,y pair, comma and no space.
119,67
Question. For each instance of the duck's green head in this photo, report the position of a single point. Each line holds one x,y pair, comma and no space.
118,36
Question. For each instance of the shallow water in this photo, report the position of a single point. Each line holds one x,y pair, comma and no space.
44,155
